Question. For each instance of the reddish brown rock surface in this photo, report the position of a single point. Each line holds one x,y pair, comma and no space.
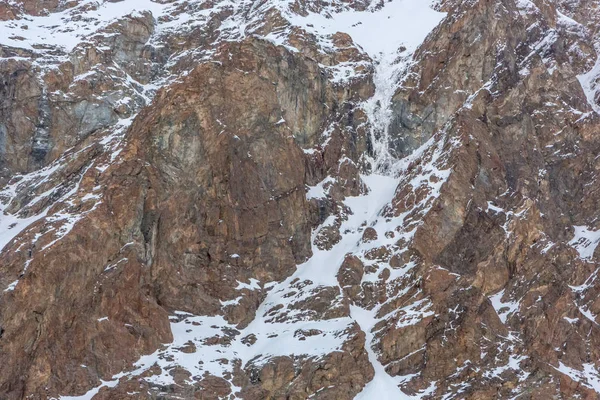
203,200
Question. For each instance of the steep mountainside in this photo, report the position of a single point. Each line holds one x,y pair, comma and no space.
295,199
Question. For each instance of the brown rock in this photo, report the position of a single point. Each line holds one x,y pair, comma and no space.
369,235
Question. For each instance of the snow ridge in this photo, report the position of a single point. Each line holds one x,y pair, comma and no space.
590,83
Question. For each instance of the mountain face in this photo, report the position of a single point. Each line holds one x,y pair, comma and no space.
295,199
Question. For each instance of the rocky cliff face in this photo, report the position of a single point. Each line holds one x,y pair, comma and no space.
295,199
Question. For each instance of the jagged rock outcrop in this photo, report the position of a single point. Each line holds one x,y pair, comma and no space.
263,200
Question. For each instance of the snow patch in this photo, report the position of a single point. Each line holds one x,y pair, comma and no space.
585,241
588,376
503,309
590,83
